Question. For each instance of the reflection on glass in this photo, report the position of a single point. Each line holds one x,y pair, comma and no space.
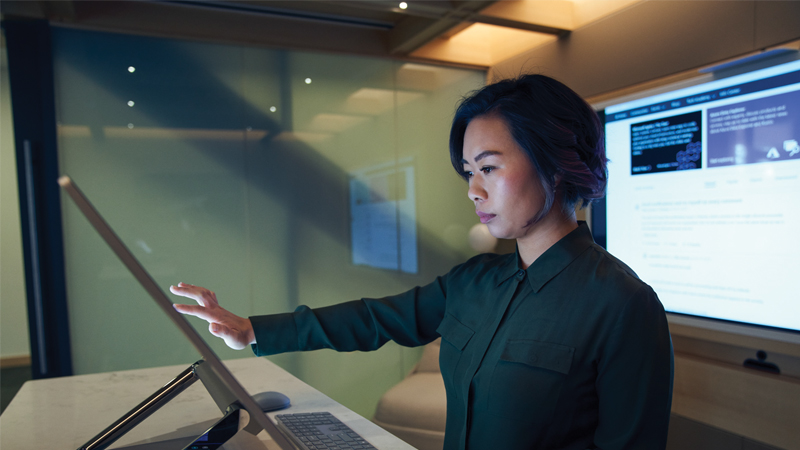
232,172
383,216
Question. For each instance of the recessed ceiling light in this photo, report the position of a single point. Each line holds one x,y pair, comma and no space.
130,103
273,109
308,80
403,5
131,69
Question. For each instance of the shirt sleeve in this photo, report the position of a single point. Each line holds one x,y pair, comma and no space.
410,319
634,381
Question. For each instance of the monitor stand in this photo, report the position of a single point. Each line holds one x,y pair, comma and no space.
219,433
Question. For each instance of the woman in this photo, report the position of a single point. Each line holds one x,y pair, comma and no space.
557,346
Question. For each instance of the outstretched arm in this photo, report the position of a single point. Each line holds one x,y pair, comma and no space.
237,332
409,319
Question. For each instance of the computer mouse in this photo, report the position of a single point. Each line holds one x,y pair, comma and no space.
271,401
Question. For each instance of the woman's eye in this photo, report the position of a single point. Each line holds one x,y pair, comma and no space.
487,169
468,174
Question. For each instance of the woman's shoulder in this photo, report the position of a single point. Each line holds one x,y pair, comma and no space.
610,270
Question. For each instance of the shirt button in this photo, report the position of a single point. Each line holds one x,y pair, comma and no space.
521,274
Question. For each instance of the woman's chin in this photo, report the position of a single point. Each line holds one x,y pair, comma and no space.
481,239
499,233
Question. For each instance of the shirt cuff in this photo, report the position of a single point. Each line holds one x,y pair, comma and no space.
275,333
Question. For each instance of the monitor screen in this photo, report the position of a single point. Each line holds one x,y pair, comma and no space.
703,200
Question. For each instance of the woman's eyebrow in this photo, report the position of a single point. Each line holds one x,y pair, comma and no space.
483,154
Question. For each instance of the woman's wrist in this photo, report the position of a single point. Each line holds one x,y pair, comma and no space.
250,332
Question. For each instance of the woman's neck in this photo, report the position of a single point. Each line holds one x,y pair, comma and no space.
549,230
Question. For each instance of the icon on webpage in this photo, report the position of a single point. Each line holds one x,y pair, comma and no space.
791,146
773,153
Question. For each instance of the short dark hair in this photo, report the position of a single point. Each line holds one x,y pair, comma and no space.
557,129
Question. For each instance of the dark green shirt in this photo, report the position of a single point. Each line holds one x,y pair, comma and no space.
572,353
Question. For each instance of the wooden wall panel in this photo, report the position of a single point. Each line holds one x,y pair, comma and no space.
776,21
761,406
657,38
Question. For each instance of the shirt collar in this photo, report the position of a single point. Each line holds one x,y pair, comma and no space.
553,260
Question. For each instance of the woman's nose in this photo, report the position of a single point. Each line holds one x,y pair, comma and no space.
476,192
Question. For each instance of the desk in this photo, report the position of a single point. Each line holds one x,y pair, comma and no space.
64,413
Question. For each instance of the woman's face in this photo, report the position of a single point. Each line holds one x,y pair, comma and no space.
503,183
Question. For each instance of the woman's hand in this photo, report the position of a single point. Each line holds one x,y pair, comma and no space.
236,331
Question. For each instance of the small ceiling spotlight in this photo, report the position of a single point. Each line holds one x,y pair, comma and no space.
130,126
130,103
131,69
403,5
308,80
272,109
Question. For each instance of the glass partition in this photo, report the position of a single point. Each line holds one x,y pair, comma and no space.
240,169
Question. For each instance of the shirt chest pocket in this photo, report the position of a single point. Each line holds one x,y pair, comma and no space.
455,337
528,379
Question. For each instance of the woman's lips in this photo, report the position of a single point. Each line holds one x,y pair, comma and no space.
485,217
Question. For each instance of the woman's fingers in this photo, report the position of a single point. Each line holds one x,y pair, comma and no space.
234,338
218,330
201,295
198,311
236,331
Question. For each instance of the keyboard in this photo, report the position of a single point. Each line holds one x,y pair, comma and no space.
320,431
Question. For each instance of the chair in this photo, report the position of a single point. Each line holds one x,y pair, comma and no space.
415,409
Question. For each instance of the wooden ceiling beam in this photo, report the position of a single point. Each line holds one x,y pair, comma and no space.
426,21
374,27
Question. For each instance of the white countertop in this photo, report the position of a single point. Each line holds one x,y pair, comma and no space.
64,413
